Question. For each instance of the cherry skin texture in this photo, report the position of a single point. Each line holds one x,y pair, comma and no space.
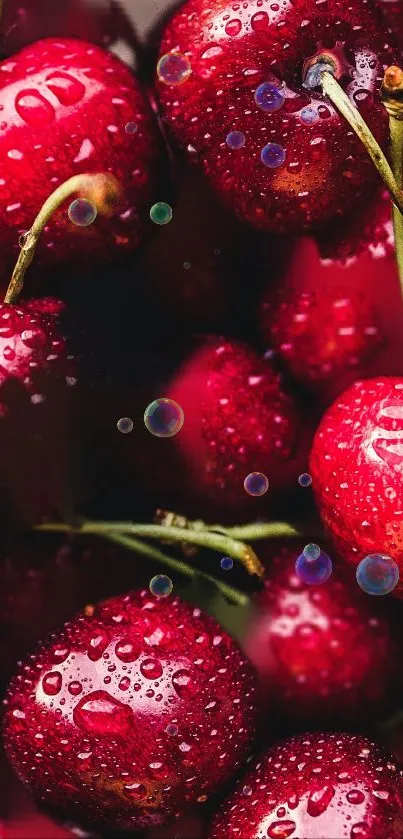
326,655
64,108
313,786
232,52
142,707
356,468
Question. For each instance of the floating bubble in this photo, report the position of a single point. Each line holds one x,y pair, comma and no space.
161,213
131,127
305,480
377,574
235,140
125,425
82,212
273,155
256,483
174,68
247,790
313,571
269,98
311,551
172,729
308,116
161,585
187,266
227,563
164,418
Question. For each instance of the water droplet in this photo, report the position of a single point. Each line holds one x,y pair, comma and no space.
33,338
131,128
161,585
135,791
313,571
172,730
260,22
355,796
125,425
161,213
97,645
34,109
319,800
67,89
235,140
377,574
305,480
9,353
269,98
15,154
361,830
174,68
273,155
101,714
52,683
281,829
164,418
247,790
183,684
75,688
233,27
151,668
126,650
312,551
227,563
82,212
124,683
256,483
308,116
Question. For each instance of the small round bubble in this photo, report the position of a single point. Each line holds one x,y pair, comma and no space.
305,480
313,571
256,483
273,155
311,551
377,574
82,212
174,68
308,116
164,418
269,98
161,213
131,128
161,585
125,425
172,729
235,140
227,563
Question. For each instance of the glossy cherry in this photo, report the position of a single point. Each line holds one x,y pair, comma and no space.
26,21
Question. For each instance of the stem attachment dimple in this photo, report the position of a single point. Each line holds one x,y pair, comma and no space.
102,189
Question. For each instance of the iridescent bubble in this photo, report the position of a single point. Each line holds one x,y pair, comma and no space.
161,213
305,480
256,483
161,585
227,563
273,155
377,574
174,68
308,116
172,729
312,551
164,418
125,425
268,97
235,140
82,212
131,127
247,790
313,571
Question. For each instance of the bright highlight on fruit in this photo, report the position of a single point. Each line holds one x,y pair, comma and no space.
161,213
82,212
256,483
273,155
313,570
161,585
125,425
164,418
235,140
227,563
174,68
305,480
269,98
377,574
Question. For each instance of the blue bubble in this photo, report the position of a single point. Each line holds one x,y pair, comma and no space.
305,480
377,574
172,729
308,116
313,571
269,98
161,213
82,212
273,155
227,563
161,585
256,483
164,418
311,551
235,140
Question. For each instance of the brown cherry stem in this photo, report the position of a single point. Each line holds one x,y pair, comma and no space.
392,98
102,189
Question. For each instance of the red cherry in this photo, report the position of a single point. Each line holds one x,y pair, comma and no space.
65,106
26,21
138,720
313,786
392,10
356,467
326,655
309,172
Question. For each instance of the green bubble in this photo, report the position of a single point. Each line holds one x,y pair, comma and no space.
161,213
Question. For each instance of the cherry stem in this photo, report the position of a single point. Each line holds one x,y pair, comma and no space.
102,189
260,530
341,101
391,93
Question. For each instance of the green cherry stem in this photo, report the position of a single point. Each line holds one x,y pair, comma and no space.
102,189
261,530
391,95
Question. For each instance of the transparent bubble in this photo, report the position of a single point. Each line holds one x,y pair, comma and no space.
273,155
161,585
235,140
131,128
161,213
311,551
269,98
82,212
256,483
305,480
172,729
308,116
164,418
125,425
227,563
174,68
313,571
247,790
187,266
377,574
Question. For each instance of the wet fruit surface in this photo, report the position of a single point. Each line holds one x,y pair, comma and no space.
131,713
